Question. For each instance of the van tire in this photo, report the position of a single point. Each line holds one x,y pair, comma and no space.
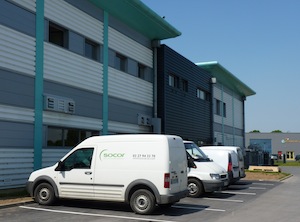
195,188
44,194
142,202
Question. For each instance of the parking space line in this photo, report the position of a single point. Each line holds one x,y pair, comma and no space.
264,184
198,208
95,215
233,192
224,200
257,188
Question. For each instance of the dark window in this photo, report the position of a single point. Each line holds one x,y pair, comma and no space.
58,35
91,49
203,95
120,62
174,81
184,85
141,71
64,137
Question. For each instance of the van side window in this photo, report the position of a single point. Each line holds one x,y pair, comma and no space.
80,159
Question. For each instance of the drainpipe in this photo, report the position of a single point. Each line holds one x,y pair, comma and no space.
156,122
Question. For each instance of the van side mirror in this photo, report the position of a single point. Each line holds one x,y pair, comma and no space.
60,166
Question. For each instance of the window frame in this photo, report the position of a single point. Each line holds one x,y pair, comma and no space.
94,55
121,62
173,81
63,40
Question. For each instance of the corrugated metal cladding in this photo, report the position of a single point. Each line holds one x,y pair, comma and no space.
182,113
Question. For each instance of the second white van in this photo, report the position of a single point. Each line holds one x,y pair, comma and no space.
141,170
208,176
218,153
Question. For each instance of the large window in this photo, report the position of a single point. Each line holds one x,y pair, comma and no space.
120,62
91,49
64,137
58,35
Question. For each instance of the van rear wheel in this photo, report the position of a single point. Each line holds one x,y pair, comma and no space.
195,188
142,202
44,194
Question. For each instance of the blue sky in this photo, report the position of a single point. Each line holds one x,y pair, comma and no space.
258,41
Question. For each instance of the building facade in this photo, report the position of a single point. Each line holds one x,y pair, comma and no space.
70,69
229,96
184,97
280,144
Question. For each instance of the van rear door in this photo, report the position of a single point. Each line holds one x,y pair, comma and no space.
178,165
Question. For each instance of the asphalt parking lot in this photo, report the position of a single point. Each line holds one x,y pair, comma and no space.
212,207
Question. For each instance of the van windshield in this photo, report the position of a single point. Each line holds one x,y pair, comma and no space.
196,152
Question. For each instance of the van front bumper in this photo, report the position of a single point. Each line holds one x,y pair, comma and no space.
165,199
212,185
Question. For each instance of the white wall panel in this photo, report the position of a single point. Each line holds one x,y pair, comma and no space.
15,167
71,17
128,87
118,127
16,114
67,120
65,67
28,4
130,48
238,113
17,51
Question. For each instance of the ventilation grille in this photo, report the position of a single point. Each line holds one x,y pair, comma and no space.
59,104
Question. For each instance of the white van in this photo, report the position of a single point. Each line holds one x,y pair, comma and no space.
208,176
237,158
142,170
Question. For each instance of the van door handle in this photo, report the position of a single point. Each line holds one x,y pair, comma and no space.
182,171
88,173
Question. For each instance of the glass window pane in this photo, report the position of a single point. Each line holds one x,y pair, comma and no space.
71,137
55,137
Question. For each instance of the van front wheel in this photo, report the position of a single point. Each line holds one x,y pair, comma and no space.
44,194
142,202
195,188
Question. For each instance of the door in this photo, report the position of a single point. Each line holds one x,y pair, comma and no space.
75,175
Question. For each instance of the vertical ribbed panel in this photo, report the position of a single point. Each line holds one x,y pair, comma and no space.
17,51
71,17
129,88
72,121
65,67
238,113
130,48
15,167
29,4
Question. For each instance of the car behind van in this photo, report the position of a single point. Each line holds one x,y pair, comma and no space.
208,176
141,170
237,158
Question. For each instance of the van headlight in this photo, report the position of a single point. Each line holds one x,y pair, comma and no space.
215,176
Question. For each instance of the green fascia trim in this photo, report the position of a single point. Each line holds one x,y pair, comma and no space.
226,78
39,86
105,76
140,17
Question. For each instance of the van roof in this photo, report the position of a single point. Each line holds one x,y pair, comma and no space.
127,137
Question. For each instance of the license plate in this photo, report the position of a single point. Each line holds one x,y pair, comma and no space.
174,180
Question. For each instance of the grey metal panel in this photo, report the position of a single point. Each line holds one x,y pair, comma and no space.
182,112
124,111
17,135
87,103
17,18
76,43
16,89
132,67
88,8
